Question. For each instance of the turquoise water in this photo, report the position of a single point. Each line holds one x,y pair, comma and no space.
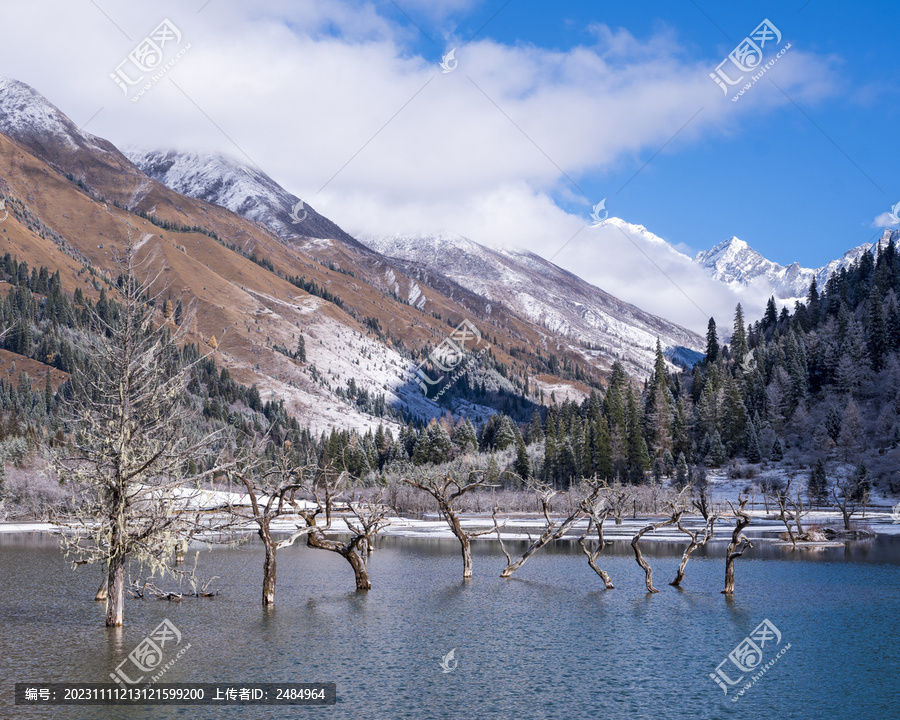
548,643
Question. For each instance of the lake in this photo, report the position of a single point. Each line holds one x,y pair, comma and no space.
548,643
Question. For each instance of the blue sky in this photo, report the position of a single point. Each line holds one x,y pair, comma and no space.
796,188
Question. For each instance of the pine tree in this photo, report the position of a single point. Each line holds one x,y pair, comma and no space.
817,488
535,429
506,434
712,342
717,452
681,472
777,451
301,349
770,318
753,452
739,347
861,483
522,464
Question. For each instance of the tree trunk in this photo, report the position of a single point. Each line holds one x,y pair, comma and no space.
269,575
532,549
639,556
316,539
739,543
115,592
592,561
102,591
464,543
729,574
360,569
551,533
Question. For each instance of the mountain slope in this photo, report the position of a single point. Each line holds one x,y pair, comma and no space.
534,288
489,284
74,200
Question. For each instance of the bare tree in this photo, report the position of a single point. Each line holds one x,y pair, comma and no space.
790,509
698,539
553,529
619,497
597,513
677,512
851,498
364,520
446,492
272,492
701,494
134,454
739,542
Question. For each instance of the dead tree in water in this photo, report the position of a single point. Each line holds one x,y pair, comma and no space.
738,545
553,529
677,509
446,492
790,508
696,541
619,497
132,455
639,556
272,492
596,517
364,520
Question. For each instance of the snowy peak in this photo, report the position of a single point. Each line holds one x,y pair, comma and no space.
26,116
736,264
236,186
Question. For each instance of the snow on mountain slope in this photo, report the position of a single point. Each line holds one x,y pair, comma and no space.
238,187
734,263
542,292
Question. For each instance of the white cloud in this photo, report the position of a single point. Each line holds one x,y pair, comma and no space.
886,219
325,93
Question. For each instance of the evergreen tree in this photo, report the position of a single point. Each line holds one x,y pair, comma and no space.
535,429
681,472
739,347
861,483
817,487
301,348
771,315
717,453
753,452
522,464
712,342
506,434
777,451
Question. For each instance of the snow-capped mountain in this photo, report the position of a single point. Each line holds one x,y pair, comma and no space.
540,291
242,189
734,263
501,285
